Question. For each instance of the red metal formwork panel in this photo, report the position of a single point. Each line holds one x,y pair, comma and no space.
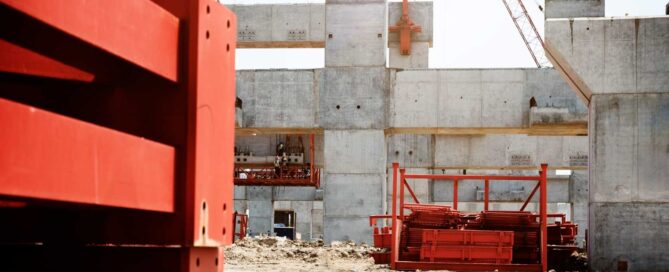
468,237
211,108
138,31
16,59
474,254
48,156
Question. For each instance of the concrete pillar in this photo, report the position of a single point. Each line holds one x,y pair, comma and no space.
261,210
621,65
354,181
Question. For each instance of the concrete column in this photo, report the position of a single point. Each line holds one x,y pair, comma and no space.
261,211
621,66
353,183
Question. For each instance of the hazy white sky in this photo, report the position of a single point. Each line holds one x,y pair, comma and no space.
467,34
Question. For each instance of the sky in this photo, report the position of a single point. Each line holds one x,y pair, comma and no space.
467,34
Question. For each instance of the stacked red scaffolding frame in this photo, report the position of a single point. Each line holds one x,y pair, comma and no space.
413,248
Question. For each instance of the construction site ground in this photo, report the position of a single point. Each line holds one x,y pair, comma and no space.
264,253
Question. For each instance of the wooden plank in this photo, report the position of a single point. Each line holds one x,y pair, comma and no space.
506,167
271,131
553,130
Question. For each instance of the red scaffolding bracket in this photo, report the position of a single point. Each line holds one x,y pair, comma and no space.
405,26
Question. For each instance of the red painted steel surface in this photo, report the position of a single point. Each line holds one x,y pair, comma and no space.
152,43
211,108
49,156
243,221
138,31
479,254
20,60
468,237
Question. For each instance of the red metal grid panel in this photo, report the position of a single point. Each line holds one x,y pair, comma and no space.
468,237
49,156
16,59
476,254
211,89
138,31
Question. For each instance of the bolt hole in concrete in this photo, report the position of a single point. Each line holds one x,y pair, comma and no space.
358,106
397,152
410,152
330,36
415,101
223,230
460,97
203,230
228,23
227,47
338,107
204,205
225,206
587,28
208,10
206,34
379,35
197,261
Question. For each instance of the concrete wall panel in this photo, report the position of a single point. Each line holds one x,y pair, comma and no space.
410,150
573,9
355,152
353,195
360,95
355,34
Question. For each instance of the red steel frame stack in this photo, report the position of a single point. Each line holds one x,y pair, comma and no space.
117,134
398,217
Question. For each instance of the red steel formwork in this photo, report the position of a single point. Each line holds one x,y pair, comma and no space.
398,219
117,122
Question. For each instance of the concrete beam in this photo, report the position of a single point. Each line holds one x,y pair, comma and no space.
279,98
285,26
611,55
574,9
475,98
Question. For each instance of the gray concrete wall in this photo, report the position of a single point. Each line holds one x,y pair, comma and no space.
475,97
624,63
280,23
355,33
354,183
574,8
279,98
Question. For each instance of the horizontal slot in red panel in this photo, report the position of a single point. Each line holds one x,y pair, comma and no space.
48,156
138,31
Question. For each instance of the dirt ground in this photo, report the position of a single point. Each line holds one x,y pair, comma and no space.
279,254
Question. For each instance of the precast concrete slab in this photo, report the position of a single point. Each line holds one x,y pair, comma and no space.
355,33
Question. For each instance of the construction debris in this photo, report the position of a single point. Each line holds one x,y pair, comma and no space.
265,253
